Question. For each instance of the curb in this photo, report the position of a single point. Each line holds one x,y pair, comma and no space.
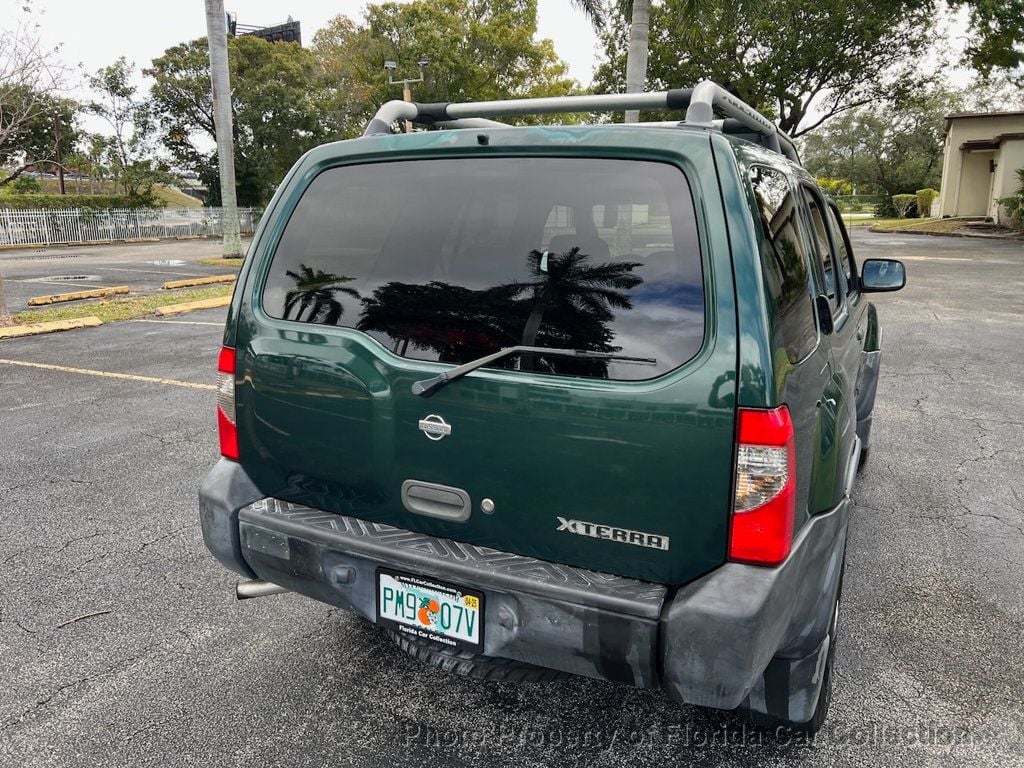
883,230
210,280
191,306
51,326
93,293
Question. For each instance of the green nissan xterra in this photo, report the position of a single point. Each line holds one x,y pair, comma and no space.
585,399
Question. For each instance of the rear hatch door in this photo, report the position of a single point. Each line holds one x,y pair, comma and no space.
623,466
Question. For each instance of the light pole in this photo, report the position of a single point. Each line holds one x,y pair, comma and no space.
391,66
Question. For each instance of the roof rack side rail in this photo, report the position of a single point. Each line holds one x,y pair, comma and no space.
709,95
732,127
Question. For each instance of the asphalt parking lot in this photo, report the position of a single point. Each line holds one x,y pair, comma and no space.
143,267
121,642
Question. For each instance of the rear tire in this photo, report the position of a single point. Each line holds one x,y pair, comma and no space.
863,458
474,665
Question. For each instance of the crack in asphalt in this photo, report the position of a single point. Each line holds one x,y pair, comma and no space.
16,720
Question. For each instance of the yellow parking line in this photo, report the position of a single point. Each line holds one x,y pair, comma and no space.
107,374
178,322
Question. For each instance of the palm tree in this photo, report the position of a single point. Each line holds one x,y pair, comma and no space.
314,290
5,315
636,54
567,282
593,10
639,13
216,35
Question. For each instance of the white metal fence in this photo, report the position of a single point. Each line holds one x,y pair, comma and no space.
43,226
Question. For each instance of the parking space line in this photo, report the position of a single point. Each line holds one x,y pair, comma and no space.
107,374
177,322
150,271
936,258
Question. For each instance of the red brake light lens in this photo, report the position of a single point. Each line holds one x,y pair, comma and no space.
765,498
226,427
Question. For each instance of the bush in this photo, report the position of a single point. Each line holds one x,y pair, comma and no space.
856,203
1014,204
26,185
834,187
902,204
925,198
94,202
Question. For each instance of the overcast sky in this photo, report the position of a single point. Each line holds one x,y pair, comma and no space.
95,32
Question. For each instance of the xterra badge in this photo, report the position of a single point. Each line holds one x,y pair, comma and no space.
611,533
434,427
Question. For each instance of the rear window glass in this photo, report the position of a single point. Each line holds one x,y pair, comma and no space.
453,259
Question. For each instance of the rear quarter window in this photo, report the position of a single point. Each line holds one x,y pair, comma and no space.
784,262
452,259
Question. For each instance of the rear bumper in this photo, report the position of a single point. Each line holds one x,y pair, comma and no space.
708,644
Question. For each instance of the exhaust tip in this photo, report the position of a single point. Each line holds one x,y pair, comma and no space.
245,590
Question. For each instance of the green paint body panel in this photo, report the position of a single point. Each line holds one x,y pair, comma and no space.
818,390
326,416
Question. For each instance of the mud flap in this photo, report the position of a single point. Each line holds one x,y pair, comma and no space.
867,387
789,688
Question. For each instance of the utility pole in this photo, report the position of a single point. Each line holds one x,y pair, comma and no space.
60,159
217,39
391,66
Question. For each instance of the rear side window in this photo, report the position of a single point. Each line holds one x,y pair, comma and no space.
785,263
823,247
453,259
845,254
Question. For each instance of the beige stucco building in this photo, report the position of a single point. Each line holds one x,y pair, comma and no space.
983,153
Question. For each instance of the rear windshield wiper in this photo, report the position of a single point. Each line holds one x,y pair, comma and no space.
427,387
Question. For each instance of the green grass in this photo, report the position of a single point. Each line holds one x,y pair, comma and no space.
926,225
219,261
172,198
121,309
871,221
942,226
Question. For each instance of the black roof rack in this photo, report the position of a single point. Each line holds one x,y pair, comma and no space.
700,102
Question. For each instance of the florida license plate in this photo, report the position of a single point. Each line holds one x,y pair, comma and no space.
422,607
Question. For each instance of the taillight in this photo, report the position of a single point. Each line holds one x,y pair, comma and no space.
226,404
765,500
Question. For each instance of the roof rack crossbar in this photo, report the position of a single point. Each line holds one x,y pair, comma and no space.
700,103
471,122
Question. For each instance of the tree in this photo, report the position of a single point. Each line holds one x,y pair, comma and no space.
996,42
637,52
131,148
36,140
860,50
315,290
31,77
897,148
593,10
478,50
567,283
28,72
217,40
279,103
